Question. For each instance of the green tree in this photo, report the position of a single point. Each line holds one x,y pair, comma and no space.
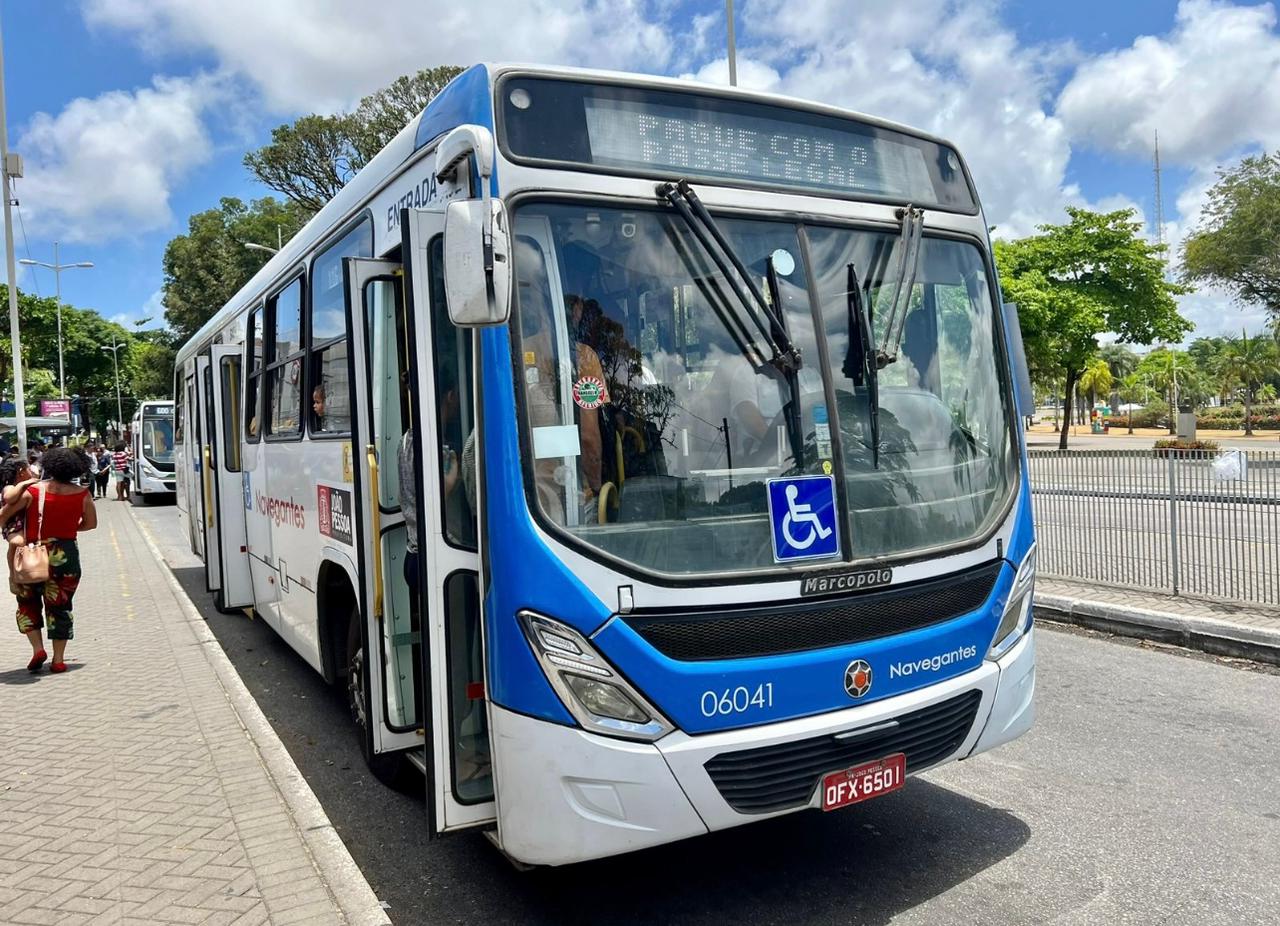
1170,371
1236,243
1096,379
313,157
1250,361
204,268
1121,362
149,368
1072,282
1134,389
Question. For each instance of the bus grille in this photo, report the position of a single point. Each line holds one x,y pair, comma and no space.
783,777
794,627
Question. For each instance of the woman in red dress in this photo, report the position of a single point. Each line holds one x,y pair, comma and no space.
68,509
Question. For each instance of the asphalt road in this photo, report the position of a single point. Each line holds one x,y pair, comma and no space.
1146,793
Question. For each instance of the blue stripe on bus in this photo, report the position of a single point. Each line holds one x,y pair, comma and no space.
467,100
526,573
692,694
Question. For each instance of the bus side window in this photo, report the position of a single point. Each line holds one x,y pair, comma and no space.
253,375
284,374
455,412
231,413
330,401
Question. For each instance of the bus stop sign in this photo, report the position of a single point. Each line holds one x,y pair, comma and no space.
802,514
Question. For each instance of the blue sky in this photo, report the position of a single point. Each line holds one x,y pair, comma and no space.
133,114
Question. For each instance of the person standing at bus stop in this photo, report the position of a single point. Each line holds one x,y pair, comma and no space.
105,464
56,511
120,469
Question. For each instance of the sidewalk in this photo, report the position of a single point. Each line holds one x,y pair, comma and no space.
1218,627
145,785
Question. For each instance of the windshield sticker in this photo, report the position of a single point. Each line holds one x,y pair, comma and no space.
822,431
556,441
802,511
589,392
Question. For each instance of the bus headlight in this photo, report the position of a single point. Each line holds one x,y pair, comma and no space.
598,697
1017,613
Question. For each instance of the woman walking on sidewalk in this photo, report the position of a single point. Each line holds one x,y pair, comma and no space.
57,510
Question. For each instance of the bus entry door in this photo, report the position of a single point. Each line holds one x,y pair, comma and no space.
442,378
391,636
235,588
206,474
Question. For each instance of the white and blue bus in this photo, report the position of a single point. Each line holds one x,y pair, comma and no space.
709,404
153,464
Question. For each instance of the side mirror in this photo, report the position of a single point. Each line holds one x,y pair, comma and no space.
477,263
1022,390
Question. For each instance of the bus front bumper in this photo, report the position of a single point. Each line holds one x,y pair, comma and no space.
565,795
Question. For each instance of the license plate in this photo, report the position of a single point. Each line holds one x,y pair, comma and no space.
871,779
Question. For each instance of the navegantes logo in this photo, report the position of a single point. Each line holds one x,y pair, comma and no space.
934,663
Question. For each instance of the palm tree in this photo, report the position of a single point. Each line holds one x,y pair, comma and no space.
1133,388
1121,361
1096,378
1170,371
1252,360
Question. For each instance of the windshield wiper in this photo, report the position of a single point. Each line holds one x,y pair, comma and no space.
908,266
864,369
795,433
781,353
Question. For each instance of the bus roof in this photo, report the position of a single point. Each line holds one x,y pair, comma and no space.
466,99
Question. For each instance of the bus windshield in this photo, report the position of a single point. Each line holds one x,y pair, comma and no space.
652,432
157,441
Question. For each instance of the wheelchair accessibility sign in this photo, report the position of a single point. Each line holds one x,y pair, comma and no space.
802,512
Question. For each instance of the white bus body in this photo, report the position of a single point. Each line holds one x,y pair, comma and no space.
633,595
153,451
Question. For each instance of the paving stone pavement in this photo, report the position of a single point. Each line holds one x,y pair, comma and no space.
138,787
1222,627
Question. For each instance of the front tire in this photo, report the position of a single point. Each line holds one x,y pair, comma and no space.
385,767
220,604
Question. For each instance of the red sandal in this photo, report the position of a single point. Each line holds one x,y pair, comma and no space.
37,660
57,667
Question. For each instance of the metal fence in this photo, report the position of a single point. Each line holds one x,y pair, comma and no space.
1167,521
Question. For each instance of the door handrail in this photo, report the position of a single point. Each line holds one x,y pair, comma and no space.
371,457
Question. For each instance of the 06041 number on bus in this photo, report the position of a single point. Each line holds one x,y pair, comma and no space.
737,700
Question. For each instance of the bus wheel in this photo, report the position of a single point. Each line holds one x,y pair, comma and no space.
220,604
385,767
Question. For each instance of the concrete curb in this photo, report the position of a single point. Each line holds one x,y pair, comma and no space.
1207,634
350,890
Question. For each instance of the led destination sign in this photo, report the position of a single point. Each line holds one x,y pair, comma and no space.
674,134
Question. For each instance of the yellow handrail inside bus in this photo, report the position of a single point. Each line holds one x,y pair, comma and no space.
602,507
617,456
371,455
207,477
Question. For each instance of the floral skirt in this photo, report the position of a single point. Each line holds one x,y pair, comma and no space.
51,601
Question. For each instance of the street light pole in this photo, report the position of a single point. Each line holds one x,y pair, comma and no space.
115,359
11,166
57,269
733,55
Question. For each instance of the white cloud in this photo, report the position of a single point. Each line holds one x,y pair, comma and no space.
105,167
751,74
324,54
1211,86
